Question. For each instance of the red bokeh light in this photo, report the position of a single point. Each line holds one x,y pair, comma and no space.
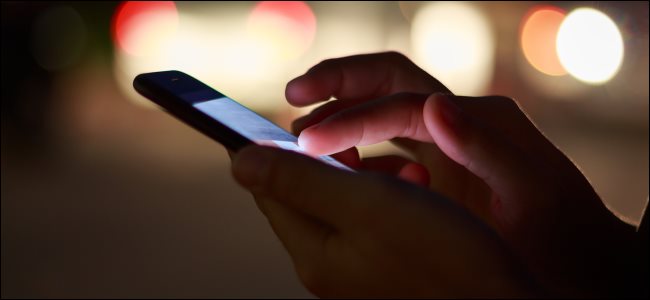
127,18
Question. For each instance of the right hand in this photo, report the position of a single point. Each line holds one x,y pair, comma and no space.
506,173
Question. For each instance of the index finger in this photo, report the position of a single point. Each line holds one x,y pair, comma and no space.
361,77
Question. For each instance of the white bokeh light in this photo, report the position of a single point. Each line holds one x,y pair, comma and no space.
454,43
217,51
590,46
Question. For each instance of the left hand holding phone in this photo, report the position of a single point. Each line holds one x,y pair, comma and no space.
381,237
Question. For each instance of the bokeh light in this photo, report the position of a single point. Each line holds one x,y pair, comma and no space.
58,38
217,49
346,28
538,39
141,27
83,164
286,27
454,43
408,8
590,46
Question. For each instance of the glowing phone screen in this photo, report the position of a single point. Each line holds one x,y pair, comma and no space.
253,126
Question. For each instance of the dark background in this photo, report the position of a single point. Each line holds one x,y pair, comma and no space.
104,197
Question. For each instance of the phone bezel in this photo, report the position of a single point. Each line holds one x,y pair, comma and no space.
165,89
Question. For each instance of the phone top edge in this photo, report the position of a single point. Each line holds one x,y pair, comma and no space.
178,101
190,89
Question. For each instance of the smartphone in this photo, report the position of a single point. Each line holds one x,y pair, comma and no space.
216,115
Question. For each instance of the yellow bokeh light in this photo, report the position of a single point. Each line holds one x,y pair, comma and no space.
287,28
590,46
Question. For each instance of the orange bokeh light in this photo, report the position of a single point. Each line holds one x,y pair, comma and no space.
538,39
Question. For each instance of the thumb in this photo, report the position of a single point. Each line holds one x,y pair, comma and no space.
310,186
481,149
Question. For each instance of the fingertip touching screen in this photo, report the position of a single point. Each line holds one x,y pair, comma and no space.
249,124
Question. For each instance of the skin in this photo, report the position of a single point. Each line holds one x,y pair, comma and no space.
491,208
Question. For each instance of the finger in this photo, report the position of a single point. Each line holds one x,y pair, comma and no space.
398,115
319,114
480,149
310,186
349,157
500,112
504,115
360,77
415,173
399,166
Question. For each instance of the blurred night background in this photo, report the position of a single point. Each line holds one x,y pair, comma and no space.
105,195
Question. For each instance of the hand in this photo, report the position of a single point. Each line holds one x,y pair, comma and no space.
482,153
370,235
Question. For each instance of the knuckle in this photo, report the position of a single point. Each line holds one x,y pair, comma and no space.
402,61
505,101
326,63
397,57
321,65
509,105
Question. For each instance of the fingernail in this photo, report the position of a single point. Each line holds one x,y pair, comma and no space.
451,113
303,139
251,165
